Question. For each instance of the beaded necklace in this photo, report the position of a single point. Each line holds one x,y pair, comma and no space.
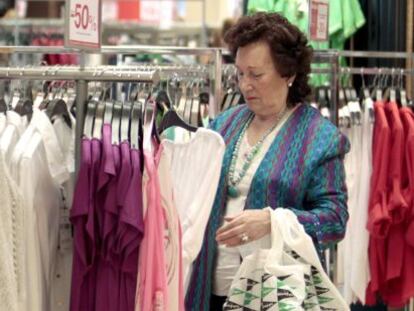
233,180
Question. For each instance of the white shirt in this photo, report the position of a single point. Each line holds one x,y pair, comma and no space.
11,134
62,270
12,204
3,122
39,169
360,273
195,172
229,258
352,165
11,240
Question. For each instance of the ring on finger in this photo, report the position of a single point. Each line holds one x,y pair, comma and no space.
244,237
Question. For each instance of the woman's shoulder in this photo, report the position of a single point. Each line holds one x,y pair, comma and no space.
322,133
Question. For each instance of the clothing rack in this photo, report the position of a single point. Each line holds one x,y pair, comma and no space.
214,54
381,71
81,76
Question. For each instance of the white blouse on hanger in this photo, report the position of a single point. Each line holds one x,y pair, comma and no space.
195,171
11,241
62,271
39,169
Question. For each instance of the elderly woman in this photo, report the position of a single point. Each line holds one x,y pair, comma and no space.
280,152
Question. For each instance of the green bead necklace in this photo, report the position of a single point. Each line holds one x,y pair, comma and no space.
233,180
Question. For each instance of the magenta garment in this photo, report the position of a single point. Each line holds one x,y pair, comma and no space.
152,290
130,232
85,230
108,226
106,298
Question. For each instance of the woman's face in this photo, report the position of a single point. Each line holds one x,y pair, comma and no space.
264,90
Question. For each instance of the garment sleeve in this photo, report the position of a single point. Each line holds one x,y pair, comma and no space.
325,210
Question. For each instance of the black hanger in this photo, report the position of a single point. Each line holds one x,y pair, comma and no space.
163,100
24,107
236,99
171,118
116,122
3,105
71,103
228,97
58,107
89,119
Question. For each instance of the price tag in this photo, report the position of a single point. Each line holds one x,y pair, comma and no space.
83,24
318,20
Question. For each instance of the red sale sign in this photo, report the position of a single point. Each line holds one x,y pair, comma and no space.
318,20
83,24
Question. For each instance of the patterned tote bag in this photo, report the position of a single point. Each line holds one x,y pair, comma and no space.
288,276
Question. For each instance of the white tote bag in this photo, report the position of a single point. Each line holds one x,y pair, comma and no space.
288,276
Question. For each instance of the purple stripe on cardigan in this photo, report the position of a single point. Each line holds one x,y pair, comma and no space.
302,153
237,128
289,129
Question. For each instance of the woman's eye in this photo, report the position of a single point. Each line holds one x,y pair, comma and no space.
256,75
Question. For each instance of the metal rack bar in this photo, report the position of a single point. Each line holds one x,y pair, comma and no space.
108,49
132,49
111,25
374,54
81,76
367,70
77,73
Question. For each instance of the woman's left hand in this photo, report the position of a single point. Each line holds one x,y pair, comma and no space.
249,225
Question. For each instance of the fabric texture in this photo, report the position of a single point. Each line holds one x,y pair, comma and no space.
303,171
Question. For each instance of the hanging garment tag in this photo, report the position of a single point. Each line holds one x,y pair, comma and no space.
318,20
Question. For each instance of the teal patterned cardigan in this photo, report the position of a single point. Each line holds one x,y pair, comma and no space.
303,170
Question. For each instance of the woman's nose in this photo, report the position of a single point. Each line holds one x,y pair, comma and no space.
244,85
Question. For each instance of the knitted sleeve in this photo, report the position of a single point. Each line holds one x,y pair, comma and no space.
325,208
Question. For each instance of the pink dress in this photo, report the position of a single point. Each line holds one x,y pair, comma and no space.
152,288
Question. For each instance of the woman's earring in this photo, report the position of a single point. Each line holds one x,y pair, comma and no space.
290,84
